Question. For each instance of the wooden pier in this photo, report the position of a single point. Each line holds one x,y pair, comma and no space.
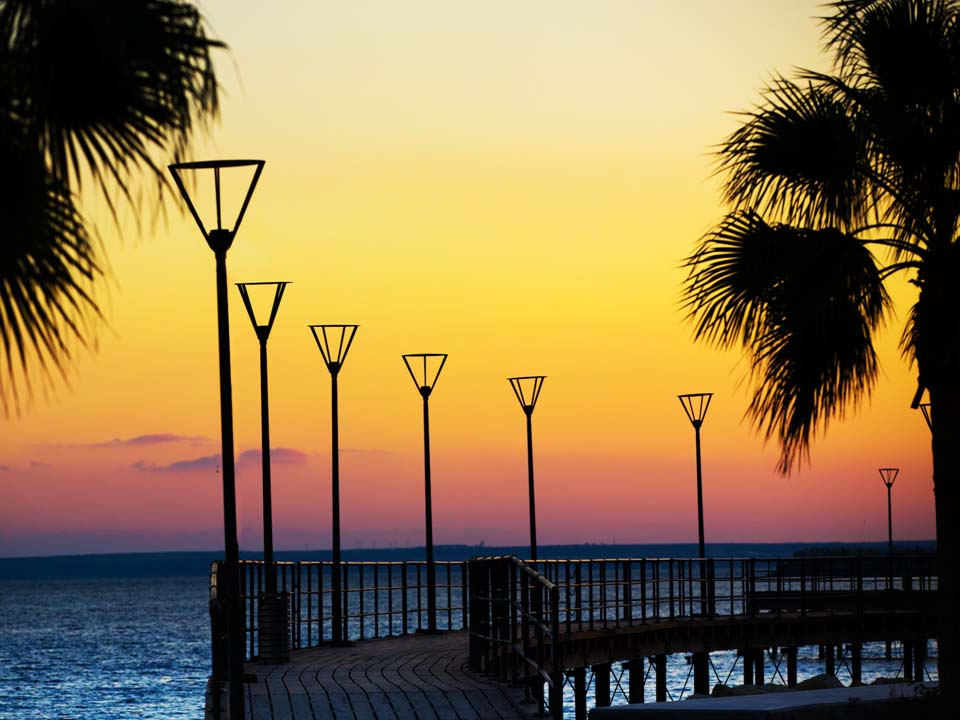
411,677
517,630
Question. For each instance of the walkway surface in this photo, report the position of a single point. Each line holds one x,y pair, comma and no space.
413,677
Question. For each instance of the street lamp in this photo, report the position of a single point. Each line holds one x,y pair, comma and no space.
334,342
695,406
527,390
889,475
272,608
262,328
425,368
219,239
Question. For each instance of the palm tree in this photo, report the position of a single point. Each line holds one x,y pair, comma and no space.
837,182
91,91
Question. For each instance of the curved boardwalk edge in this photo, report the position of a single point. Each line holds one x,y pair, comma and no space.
414,677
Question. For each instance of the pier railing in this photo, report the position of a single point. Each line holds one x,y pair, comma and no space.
521,611
515,626
549,597
607,593
379,599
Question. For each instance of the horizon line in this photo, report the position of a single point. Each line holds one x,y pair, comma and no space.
398,548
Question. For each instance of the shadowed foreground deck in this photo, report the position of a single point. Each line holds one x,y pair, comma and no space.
415,676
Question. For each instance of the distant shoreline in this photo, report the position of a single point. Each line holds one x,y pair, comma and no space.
197,563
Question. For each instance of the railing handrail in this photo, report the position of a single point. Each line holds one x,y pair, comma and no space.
727,558
532,572
386,597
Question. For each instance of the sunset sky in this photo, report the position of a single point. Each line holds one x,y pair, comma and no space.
515,184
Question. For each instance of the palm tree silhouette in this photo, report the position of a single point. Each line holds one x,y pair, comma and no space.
98,92
826,170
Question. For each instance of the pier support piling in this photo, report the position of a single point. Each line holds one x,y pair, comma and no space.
636,679
855,664
758,666
747,655
907,660
556,695
660,666
829,663
580,693
792,666
601,683
701,673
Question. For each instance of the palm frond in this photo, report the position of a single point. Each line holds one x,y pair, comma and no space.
110,84
804,304
903,57
48,265
906,48
799,157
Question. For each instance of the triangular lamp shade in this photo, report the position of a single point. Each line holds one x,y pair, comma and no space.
217,192
425,368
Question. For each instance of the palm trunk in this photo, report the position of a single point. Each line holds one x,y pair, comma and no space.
945,404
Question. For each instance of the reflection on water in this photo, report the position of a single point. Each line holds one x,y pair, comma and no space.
107,649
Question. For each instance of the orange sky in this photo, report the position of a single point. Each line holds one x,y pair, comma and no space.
514,184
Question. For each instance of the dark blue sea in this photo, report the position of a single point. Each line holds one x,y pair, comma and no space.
118,637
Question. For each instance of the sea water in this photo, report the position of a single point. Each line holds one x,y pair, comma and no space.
117,648
104,649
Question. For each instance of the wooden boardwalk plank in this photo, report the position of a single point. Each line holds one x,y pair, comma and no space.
412,677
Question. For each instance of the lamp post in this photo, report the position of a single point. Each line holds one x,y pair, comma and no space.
334,342
219,239
889,476
527,390
695,406
425,368
262,328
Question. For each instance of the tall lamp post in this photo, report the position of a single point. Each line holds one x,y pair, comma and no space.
527,390
425,368
889,476
219,239
262,328
695,406
334,342
273,638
